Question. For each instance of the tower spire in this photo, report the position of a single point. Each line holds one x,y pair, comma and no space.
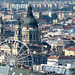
29,12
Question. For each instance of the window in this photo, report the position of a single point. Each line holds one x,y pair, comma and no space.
69,52
16,31
33,27
34,36
31,37
71,70
20,44
19,32
1,31
2,37
24,36
27,27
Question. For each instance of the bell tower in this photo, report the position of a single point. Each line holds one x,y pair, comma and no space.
17,35
18,30
2,37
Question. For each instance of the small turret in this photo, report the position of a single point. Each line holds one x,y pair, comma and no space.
19,29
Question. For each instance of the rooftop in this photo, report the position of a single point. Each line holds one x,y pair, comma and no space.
70,48
19,71
61,57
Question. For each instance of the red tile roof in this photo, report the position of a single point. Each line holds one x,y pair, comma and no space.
73,19
70,48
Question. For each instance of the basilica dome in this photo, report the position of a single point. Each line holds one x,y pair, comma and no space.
29,20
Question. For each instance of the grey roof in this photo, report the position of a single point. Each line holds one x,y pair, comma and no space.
19,71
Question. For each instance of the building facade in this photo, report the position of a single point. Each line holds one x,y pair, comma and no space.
28,29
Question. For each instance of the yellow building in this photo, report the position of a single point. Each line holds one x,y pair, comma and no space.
69,51
55,21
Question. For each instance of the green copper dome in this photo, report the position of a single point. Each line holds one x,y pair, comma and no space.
29,20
